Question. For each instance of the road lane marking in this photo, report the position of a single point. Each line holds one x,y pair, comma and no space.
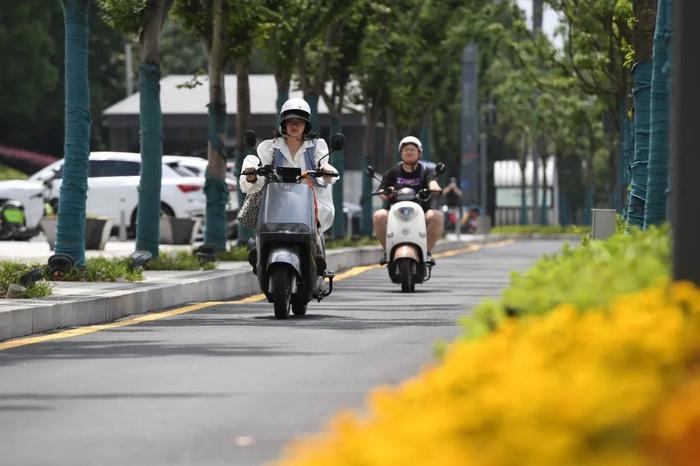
152,316
78,331
472,248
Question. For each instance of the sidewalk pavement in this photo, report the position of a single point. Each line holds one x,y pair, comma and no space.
86,303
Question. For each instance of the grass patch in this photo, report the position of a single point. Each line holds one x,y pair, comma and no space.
11,271
351,242
182,260
102,269
235,253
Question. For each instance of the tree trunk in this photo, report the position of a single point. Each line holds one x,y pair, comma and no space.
644,12
283,78
215,186
390,151
339,163
151,127
70,230
523,192
242,124
426,131
544,218
368,149
657,173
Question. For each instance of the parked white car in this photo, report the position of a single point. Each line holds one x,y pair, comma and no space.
197,166
113,180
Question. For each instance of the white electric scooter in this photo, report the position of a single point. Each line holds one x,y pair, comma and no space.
406,243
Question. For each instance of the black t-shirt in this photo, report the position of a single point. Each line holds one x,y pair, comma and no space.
417,179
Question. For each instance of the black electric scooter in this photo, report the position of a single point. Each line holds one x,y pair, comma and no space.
290,253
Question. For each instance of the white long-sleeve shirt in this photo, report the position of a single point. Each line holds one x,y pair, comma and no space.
266,151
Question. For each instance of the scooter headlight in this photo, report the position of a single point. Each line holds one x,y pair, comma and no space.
405,213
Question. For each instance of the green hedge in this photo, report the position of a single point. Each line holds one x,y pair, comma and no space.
588,276
542,229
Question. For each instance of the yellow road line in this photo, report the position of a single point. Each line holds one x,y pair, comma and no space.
151,316
471,248
74,332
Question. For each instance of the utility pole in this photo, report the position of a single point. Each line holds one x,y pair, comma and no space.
685,163
468,178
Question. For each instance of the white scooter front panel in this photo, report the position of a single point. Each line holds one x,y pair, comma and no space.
406,225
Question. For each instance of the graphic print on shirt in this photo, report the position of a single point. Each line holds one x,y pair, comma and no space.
408,182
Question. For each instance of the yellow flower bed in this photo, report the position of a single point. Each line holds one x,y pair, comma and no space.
568,388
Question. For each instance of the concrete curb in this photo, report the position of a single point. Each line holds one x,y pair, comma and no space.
92,303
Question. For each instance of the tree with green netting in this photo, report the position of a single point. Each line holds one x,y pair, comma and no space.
230,29
70,229
643,33
145,18
659,142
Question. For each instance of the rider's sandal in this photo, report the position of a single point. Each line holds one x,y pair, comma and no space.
430,261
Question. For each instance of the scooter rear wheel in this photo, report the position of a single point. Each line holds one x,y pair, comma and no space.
405,267
281,278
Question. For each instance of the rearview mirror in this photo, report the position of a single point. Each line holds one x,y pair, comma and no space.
337,141
250,138
440,168
370,171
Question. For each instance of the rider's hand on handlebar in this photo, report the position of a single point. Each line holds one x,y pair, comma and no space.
250,175
327,172
389,193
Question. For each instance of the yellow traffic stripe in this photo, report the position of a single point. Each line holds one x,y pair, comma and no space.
151,316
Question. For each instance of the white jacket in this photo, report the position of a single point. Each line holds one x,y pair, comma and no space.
324,196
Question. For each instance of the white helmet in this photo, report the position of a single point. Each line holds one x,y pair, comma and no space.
411,140
295,108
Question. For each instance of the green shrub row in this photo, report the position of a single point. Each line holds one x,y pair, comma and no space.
542,229
591,275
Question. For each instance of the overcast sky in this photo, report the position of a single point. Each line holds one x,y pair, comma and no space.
549,20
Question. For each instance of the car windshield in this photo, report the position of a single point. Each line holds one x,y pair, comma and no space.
182,171
108,168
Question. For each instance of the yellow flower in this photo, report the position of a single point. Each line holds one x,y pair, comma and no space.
567,388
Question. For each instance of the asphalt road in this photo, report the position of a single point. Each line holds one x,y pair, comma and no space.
229,384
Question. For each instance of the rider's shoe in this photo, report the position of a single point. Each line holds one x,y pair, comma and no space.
430,261
382,261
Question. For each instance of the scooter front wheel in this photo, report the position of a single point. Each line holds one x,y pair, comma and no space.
405,269
281,278
298,306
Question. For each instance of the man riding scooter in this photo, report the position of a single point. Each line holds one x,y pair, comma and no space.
410,173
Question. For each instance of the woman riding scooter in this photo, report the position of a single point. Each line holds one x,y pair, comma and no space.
294,146
410,173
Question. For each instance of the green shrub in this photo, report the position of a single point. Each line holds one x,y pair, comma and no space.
182,260
588,276
542,229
